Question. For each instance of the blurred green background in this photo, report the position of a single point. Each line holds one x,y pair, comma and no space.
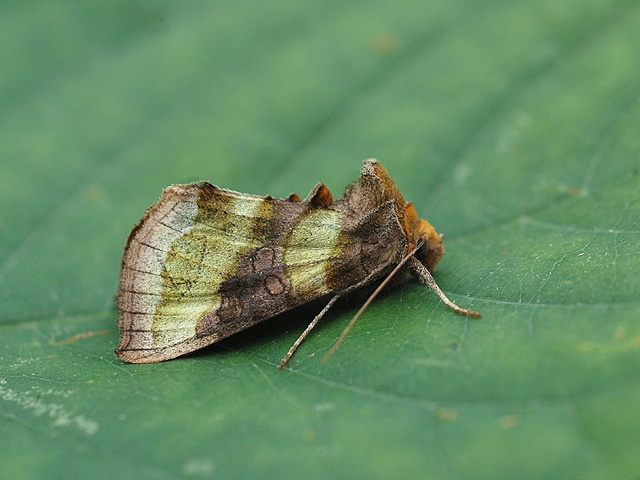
514,127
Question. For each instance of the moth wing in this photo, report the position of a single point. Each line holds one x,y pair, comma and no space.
323,251
174,262
204,263
347,250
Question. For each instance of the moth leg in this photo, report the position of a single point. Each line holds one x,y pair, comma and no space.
313,323
423,274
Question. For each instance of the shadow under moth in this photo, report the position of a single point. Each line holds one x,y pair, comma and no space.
204,263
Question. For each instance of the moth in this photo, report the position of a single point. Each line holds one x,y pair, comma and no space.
204,263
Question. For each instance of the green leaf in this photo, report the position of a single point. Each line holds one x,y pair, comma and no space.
512,126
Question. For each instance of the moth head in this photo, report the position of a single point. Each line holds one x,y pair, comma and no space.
418,230
432,251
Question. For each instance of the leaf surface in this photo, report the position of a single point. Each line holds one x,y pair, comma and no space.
512,126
